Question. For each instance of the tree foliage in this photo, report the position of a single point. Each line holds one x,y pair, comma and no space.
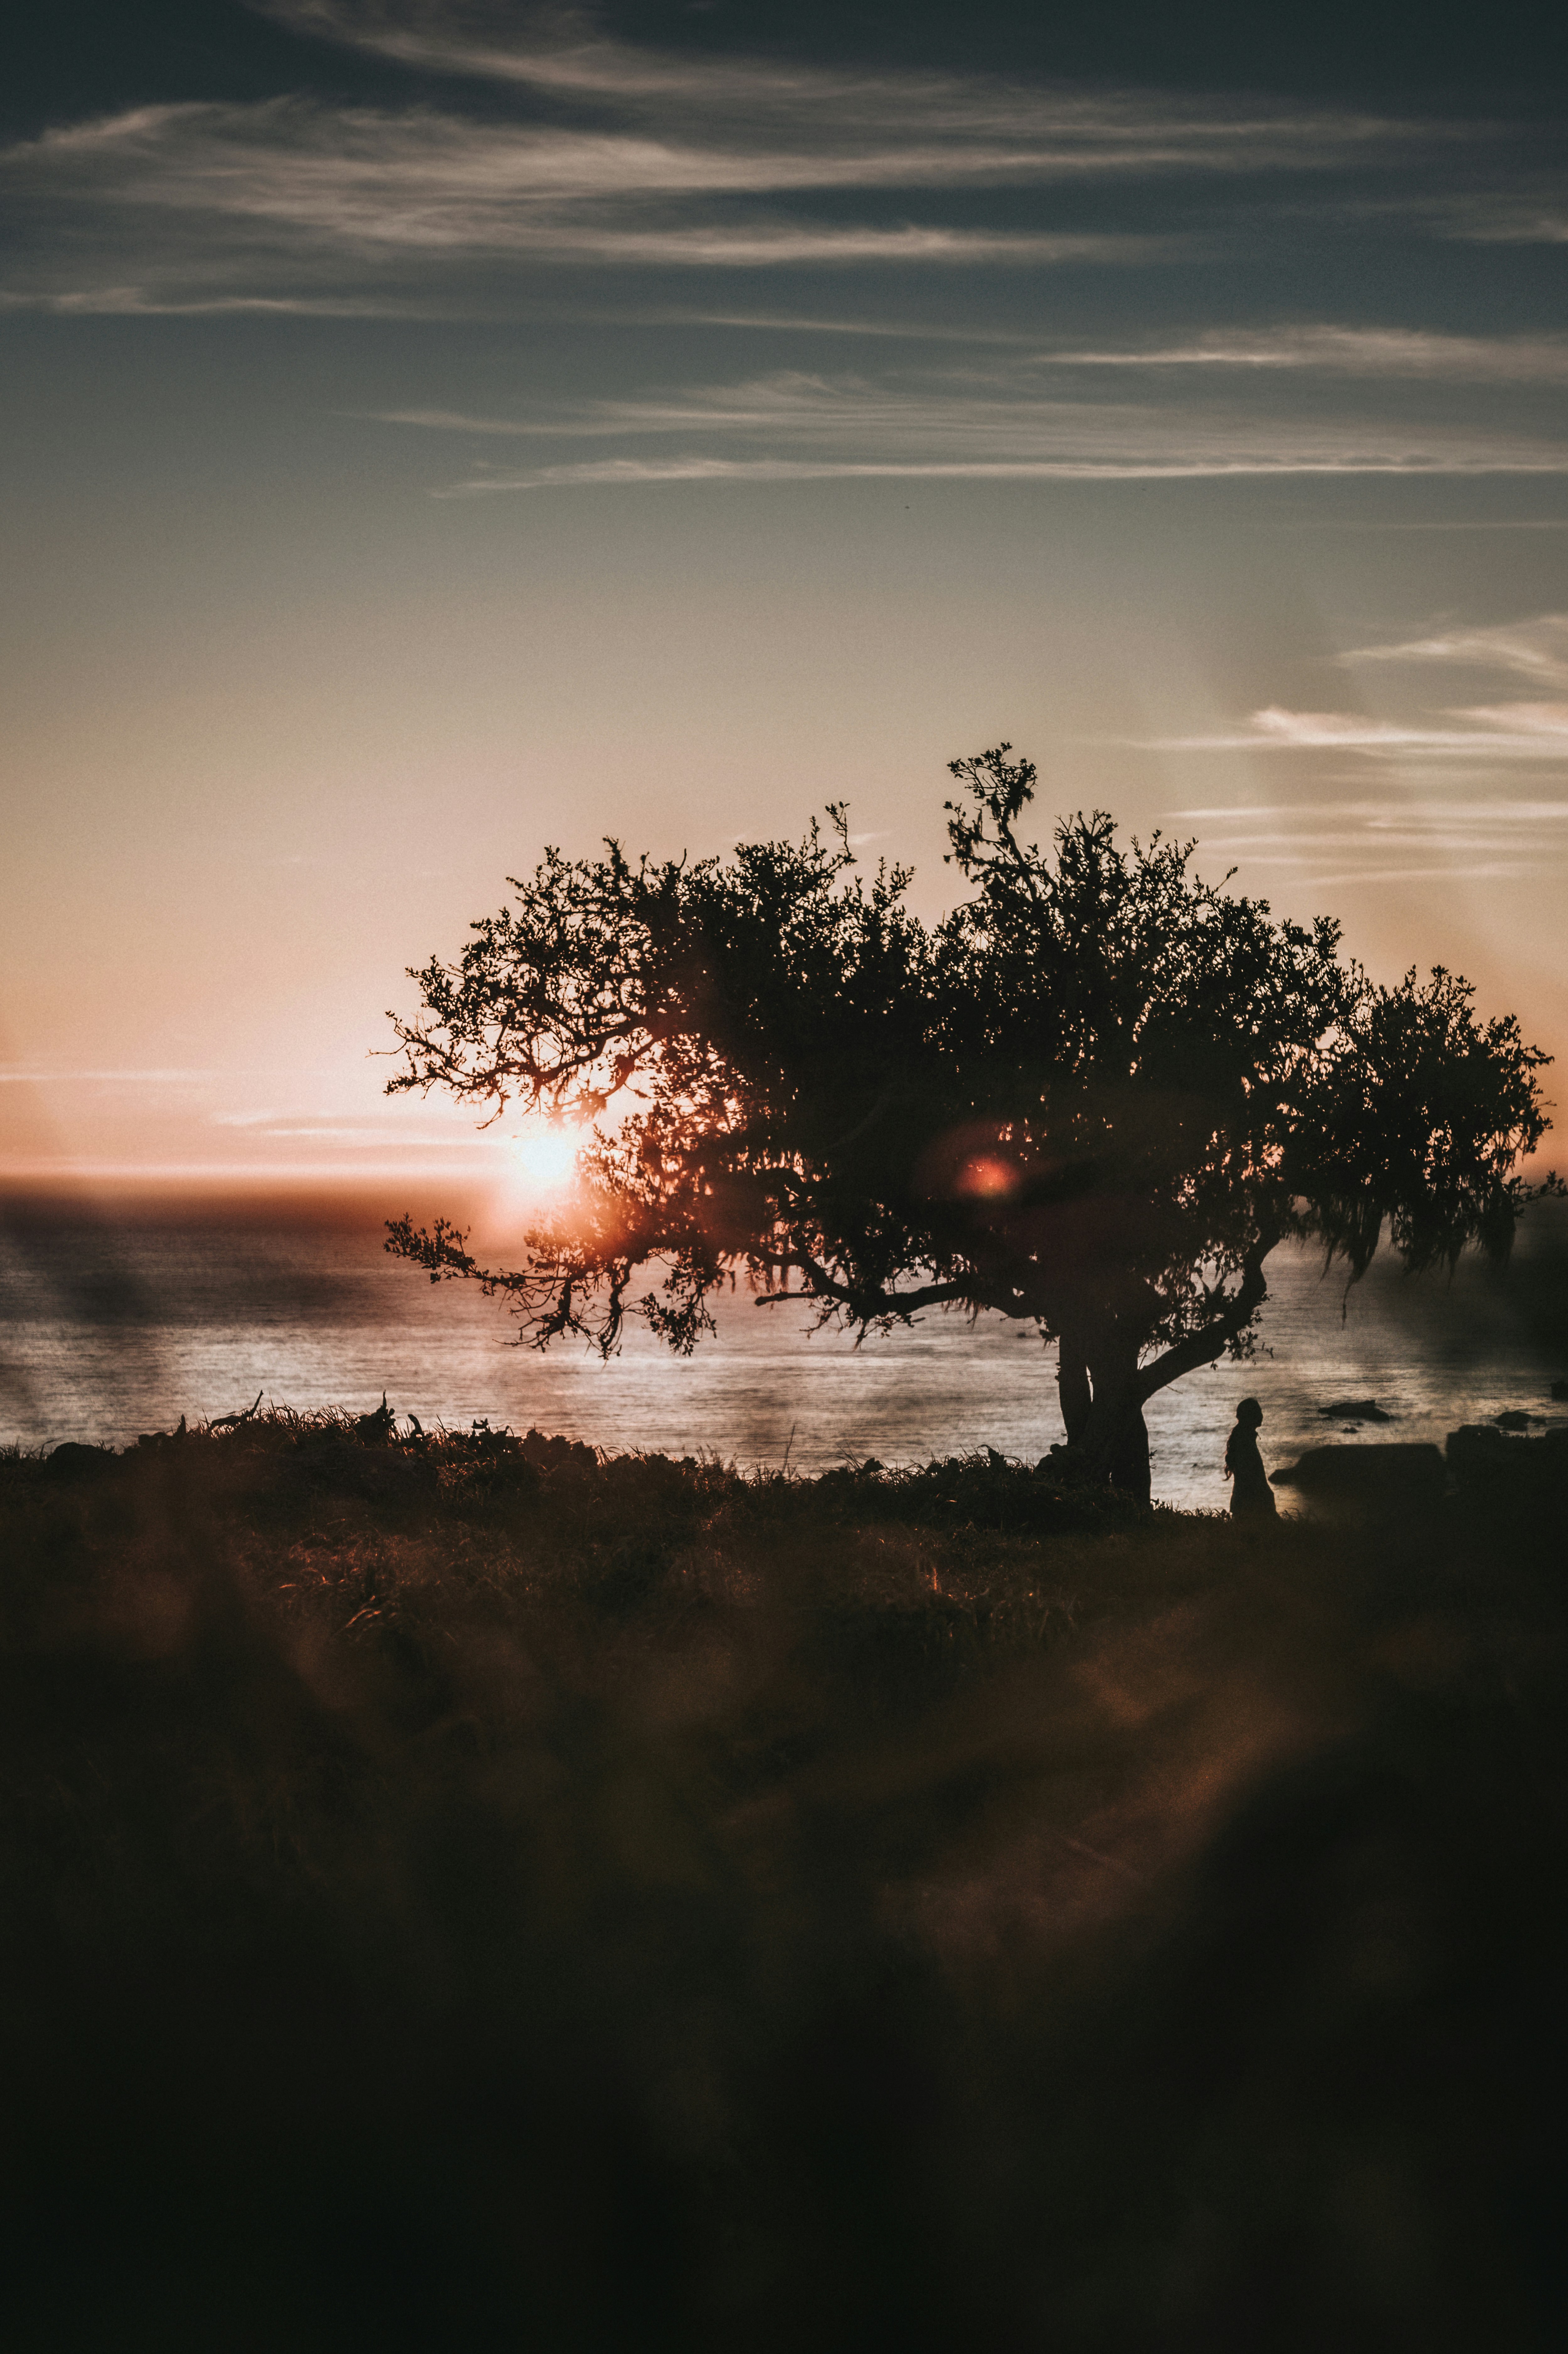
1096,1096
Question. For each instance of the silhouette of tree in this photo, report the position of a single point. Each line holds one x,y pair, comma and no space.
1096,1096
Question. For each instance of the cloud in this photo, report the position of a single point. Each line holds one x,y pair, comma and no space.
1493,870
1006,399
1386,814
1536,650
1466,522
1309,347
552,151
973,124
1376,840
335,1128
584,150
40,1169
971,422
1530,731
972,334
1547,720
630,472
1507,219
140,302
289,202
1345,350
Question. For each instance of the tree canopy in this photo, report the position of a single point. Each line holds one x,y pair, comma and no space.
1096,1096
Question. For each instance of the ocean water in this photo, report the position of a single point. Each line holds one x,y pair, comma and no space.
112,1329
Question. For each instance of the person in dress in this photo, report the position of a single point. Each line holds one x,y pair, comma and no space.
1251,1498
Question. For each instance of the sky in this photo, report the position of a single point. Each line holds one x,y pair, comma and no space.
429,431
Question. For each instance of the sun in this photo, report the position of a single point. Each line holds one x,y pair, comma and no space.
547,1155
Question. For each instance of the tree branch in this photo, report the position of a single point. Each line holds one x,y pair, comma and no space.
1203,1347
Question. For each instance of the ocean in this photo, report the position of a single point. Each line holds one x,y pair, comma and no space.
112,1328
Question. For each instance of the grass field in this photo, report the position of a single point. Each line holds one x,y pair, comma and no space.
465,1894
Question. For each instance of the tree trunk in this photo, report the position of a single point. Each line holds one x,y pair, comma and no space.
1073,1387
1129,1465
1103,1412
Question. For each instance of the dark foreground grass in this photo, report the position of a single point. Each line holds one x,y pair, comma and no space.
458,1900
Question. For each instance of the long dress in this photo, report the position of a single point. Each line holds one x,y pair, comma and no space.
1251,1498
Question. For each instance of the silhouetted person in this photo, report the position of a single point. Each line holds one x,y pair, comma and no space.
1251,1498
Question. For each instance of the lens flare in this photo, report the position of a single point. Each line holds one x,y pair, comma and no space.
985,1177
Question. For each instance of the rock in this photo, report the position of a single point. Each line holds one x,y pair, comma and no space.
1476,1445
72,1460
1506,1462
558,1454
1355,1410
1376,1472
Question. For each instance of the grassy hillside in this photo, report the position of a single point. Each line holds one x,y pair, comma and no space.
458,1894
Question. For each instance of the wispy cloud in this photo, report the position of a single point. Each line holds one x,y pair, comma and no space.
587,150
555,156
1394,815
142,302
267,1126
1536,650
288,203
1305,347
973,334
1337,876
963,122
1454,523
1005,395
1527,731
629,472
313,1169
1328,350
1505,218
1406,839
995,419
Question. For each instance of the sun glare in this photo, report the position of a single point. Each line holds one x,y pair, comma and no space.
547,1155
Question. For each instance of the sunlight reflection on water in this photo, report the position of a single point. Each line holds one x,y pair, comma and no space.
113,1330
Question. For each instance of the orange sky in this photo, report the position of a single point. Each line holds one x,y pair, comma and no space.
570,435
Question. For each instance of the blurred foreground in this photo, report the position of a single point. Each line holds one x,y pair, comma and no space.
463,1893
